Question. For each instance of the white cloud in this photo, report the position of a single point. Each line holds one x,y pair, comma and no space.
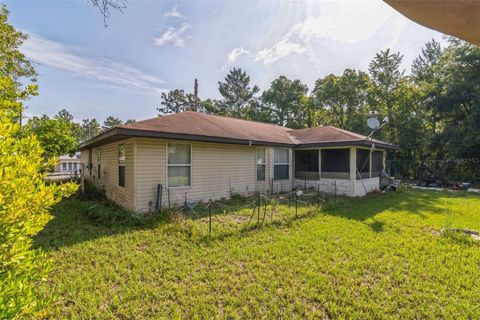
280,50
53,54
173,35
235,54
343,23
173,13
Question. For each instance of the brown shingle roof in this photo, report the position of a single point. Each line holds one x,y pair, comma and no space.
201,124
330,135
196,126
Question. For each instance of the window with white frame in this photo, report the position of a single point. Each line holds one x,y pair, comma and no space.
70,166
64,166
281,164
179,165
261,164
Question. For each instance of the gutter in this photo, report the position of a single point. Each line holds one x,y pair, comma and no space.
119,133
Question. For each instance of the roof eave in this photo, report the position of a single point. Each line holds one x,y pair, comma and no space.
352,143
120,133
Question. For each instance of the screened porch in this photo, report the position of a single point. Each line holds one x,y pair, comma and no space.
338,163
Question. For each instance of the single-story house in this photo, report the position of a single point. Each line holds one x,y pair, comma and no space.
202,157
68,164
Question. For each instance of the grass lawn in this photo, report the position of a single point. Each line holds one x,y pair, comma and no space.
376,257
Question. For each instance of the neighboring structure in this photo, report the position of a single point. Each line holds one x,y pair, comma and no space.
204,157
68,164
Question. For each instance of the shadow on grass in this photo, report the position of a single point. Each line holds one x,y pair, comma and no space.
74,224
75,221
413,201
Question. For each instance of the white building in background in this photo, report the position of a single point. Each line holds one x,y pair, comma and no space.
68,164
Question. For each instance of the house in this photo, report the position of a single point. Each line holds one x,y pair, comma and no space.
200,157
68,164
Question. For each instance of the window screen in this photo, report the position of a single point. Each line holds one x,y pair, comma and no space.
121,165
179,165
306,160
281,166
363,160
261,164
336,160
121,176
377,163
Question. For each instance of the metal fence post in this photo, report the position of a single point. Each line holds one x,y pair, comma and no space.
210,217
296,205
335,183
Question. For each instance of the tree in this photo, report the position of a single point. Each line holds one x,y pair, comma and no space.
89,129
386,76
237,94
176,101
24,196
425,75
343,100
111,122
284,100
458,103
56,135
105,6
129,121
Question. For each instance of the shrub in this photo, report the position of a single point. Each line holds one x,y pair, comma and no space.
24,203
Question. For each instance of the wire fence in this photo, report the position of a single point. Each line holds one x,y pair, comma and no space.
441,171
242,213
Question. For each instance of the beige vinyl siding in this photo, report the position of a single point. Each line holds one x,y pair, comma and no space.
150,171
123,196
217,171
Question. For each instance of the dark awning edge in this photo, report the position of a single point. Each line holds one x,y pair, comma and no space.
117,134
352,143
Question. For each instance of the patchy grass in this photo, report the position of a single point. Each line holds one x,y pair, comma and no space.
376,257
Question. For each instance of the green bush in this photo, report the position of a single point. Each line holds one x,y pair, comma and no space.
25,200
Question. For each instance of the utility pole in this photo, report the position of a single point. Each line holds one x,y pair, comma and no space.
195,94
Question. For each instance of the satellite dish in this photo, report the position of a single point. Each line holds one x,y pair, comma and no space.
373,123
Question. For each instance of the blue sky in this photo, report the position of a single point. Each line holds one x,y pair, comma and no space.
156,46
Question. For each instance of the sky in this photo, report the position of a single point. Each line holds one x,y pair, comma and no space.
121,70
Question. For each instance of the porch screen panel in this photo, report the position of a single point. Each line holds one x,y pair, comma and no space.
335,163
363,163
306,164
377,163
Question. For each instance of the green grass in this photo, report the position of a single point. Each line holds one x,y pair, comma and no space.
376,257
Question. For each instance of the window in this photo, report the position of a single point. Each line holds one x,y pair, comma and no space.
75,166
261,164
70,166
99,161
121,165
64,166
179,165
281,161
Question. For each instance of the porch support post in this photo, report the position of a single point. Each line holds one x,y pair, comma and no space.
370,163
319,164
353,170
353,163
